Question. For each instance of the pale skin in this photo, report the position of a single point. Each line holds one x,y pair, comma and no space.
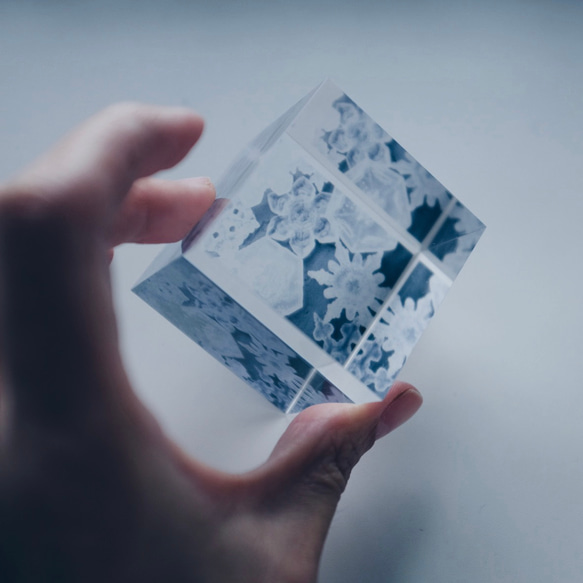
90,487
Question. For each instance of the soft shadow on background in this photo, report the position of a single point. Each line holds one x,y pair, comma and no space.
484,483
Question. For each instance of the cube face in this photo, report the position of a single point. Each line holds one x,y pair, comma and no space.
385,175
330,255
193,303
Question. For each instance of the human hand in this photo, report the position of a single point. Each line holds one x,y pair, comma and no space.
90,487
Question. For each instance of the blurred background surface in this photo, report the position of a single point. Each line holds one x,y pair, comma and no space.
485,483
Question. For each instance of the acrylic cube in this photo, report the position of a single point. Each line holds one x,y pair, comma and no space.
322,261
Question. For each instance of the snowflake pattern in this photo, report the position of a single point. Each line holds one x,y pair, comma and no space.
323,222
384,352
221,326
352,283
313,256
383,170
300,215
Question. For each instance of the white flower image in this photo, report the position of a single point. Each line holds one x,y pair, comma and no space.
404,322
352,284
300,216
396,334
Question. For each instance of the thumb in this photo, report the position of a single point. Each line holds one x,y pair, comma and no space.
311,464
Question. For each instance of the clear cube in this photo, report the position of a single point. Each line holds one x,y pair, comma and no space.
322,261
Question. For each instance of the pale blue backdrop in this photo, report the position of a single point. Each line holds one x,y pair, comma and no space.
485,483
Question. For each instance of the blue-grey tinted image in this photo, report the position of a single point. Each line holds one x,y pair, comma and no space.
335,227
383,170
333,265
342,293
384,352
189,300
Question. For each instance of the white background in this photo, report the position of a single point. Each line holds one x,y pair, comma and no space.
485,483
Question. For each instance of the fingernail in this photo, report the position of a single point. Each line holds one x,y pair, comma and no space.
399,410
198,181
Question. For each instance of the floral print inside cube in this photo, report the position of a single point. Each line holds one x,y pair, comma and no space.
327,255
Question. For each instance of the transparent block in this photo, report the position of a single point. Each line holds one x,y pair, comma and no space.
326,239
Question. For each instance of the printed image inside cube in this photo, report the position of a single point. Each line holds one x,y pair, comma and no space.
224,329
390,341
328,253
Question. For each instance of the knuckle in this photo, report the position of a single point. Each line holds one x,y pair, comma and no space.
339,454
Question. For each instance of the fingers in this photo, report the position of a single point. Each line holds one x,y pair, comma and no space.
90,170
360,425
160,211
58,341
312,462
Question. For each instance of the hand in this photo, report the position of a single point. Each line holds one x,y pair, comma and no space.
90,487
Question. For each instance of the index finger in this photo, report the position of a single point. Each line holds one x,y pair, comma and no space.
89,171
